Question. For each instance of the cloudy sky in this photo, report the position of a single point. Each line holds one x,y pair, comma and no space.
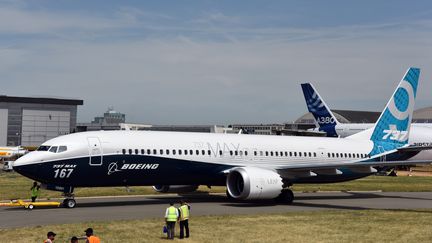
213,62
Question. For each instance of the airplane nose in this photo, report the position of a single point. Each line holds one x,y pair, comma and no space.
26,166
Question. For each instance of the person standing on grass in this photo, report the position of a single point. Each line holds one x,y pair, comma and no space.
171,216
34,191
50,237
184,211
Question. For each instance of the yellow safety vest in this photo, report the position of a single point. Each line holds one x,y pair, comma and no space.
34,192
184,212
172,215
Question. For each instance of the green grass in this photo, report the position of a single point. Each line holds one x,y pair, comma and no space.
318,226
13,185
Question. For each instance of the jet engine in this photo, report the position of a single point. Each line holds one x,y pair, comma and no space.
175,188
250,183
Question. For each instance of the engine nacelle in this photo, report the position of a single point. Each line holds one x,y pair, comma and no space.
249,183
175,188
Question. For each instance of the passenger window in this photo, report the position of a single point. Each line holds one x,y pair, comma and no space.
161,151
236,153
180,152
142,151
203,152
185,152
241,153
154,151
295,154
261,153
246,153
130,151
271,153
231,152
314,154
286,154
174,152
255,153
310,154
276,153
346,155
290,154
191,152
136,151
148,151
208,152
197,152
220,152
124,151
266,153
62,149
337,155
167,151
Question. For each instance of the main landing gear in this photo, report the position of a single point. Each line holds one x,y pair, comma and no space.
69,201
286,196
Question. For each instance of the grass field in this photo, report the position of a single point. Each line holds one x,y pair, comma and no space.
320,226
13,185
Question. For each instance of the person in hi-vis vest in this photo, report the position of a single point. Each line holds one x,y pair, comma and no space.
171,217
184,211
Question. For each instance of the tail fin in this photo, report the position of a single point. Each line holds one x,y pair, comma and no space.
323,116
392,129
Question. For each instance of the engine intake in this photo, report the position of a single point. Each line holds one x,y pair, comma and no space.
250,183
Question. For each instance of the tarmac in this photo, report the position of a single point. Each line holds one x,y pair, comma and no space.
141,207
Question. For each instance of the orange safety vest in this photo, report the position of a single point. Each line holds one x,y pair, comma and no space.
47,241
93,239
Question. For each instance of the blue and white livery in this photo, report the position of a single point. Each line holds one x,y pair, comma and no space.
250,166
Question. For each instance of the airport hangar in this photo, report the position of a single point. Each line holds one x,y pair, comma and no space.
29,121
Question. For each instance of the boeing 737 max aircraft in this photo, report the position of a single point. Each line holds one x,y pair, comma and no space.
251,166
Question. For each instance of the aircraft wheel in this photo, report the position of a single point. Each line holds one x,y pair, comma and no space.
286,196
69,203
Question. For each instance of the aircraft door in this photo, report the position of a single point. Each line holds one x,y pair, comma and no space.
95,151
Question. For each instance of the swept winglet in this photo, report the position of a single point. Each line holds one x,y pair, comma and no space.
323,116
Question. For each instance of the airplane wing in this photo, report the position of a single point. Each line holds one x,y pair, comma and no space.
308,169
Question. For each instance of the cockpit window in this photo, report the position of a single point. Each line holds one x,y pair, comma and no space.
43,148
53,149
62,149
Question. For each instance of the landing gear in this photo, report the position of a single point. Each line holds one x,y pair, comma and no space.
69,201
286,196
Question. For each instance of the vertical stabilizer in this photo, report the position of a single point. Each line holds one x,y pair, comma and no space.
323,116
392,128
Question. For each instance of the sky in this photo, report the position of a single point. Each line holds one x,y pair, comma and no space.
213,62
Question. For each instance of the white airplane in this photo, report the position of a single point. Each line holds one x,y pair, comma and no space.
326,121
8,152
251,166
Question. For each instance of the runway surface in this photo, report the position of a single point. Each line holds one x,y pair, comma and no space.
118,208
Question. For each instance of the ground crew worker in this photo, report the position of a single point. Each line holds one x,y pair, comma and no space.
184,210
50,237
171,216
74,239
34,191
90,237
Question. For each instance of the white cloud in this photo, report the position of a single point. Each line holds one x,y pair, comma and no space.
195,75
